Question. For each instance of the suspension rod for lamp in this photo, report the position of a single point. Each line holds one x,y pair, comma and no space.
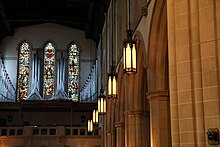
36,65
101,59
63,69
129,19
112,31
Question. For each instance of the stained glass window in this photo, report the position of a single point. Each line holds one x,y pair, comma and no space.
49,69
23,70
73,71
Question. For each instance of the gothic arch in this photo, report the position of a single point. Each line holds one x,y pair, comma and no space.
139,81
132,89
157,48
158,77
141,48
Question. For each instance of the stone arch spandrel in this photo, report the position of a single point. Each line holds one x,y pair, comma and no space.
120,102
139,82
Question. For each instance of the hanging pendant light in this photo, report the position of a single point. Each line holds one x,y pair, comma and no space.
90,125
129,50
101,97
95,117
102,103
129,54
112,76
112,83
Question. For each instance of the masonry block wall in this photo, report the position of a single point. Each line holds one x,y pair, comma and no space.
194,49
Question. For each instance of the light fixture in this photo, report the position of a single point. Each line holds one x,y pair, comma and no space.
101,97
112,76
112,83
102,103
90,126
95,117
129,50
213,136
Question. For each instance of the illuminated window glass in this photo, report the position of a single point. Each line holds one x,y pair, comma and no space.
49,71
73,71
23,70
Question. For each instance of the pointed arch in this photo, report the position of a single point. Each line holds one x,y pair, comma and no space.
24,62
157,48
73,70
49,68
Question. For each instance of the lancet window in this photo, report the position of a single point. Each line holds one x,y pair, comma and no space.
49,69
73,71
24,59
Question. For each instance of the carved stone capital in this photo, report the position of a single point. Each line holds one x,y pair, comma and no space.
158,95
109,133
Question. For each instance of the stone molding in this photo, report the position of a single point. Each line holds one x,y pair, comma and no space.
144,10
120,124
158,95
136,113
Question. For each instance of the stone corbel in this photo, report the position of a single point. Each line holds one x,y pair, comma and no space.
119,124
144,10
109,133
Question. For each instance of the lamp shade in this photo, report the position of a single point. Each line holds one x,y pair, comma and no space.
90,125
129,55
112,84
102,102
95,117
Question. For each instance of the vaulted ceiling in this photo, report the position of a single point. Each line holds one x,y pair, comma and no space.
86,15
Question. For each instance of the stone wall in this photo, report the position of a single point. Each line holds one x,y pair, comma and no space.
194,49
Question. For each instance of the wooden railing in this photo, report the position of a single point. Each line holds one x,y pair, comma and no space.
7,90
49,131
88,92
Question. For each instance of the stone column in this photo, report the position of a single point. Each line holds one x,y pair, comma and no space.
136,132
27,136
159,119
109,139
109,124
120,135
103,125
131,132
111,132
146,129
61,135
193,47
139,128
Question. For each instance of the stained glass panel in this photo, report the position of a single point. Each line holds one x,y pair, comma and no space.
49,69
23,70
73,66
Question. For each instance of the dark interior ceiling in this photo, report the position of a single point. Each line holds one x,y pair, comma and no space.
86,15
